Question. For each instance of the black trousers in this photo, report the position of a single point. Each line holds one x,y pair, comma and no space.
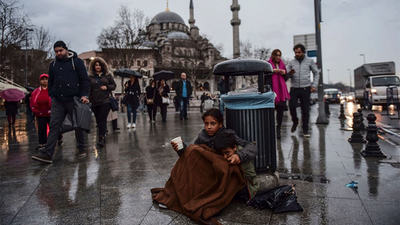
152,109
302,94
42,129
163,109
101,113
59,111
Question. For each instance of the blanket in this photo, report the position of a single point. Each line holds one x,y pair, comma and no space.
201,184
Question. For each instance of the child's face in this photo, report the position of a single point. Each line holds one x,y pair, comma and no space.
228,152
211,125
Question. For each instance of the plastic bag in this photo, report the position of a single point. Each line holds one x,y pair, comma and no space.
280,199
81,117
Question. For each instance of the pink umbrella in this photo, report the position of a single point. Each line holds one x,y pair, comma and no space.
12,95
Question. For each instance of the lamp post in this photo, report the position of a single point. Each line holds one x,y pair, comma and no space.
328,77
349,80
26,55
363,57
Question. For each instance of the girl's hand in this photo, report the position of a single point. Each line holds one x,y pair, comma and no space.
174,146
283,72
234,159
103,87
276,70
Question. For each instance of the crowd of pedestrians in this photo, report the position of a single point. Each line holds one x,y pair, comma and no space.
68,78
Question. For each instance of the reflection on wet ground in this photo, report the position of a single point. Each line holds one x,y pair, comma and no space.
112,185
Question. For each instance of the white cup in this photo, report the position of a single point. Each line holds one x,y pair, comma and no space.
179,142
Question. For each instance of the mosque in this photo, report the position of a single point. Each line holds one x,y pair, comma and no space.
170,44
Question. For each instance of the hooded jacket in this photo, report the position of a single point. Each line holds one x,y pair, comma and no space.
302,68
68,78
40,110
96,95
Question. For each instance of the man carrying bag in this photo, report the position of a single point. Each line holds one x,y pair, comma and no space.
68,78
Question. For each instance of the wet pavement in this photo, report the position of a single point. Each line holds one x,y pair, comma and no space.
112,184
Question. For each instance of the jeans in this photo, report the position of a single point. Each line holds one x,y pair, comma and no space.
131,110
184,106
59,111
304,95
101,113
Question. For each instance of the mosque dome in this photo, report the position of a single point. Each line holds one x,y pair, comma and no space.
177,35
167,17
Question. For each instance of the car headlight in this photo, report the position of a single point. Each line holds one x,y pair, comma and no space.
373,91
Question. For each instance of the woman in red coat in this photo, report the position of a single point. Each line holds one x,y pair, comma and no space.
41,104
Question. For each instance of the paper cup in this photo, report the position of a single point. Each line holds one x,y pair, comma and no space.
178,140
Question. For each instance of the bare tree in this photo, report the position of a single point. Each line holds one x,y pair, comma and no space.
13,23
119,41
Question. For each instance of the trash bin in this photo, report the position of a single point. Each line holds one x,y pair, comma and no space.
251,116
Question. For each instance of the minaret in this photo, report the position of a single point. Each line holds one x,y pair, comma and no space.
235,22
191,19
194,30
167,9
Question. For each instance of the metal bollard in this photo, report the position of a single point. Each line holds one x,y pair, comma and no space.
327,112
356,136
372,148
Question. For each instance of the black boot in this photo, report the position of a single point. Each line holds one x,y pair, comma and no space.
102,141
278,132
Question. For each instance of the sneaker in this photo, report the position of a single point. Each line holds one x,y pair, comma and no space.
306,134
43,157
162,206
153,121
41,147
81,153
133,125
294,126
129,125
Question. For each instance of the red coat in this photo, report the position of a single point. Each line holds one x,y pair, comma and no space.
40,110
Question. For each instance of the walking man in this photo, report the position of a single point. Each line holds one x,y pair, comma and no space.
184,91
67,78
301,86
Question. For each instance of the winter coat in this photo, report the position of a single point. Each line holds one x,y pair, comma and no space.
278,83
221,85
132,94
98,96
40,110
302,68
164,93
179,88
11,107
68,78
150,92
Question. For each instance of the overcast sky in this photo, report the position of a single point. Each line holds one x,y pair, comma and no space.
349,28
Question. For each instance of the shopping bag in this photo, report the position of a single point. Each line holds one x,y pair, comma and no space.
81,117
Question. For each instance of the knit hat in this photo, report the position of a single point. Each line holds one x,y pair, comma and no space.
43,75
60,44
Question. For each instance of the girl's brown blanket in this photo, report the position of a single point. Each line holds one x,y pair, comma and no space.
201,184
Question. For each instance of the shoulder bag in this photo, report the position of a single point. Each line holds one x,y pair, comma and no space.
150,101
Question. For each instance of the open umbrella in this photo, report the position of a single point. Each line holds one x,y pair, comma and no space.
12,95
125,72
163,74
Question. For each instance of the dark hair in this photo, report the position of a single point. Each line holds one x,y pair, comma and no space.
302,48
215,113
103,68
223,141
273,54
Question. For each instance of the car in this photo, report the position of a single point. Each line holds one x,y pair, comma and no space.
332,95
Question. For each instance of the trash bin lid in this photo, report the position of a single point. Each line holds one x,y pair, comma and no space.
249,101
241,67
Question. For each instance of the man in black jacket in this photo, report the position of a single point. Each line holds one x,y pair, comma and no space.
67,78
184,91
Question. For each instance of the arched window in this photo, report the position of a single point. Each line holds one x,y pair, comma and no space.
138,63
145,63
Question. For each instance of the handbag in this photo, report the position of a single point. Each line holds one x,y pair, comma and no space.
124,99
165,100
150,101
114,104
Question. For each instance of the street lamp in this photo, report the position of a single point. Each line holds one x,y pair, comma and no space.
350,80
363,57
26,55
